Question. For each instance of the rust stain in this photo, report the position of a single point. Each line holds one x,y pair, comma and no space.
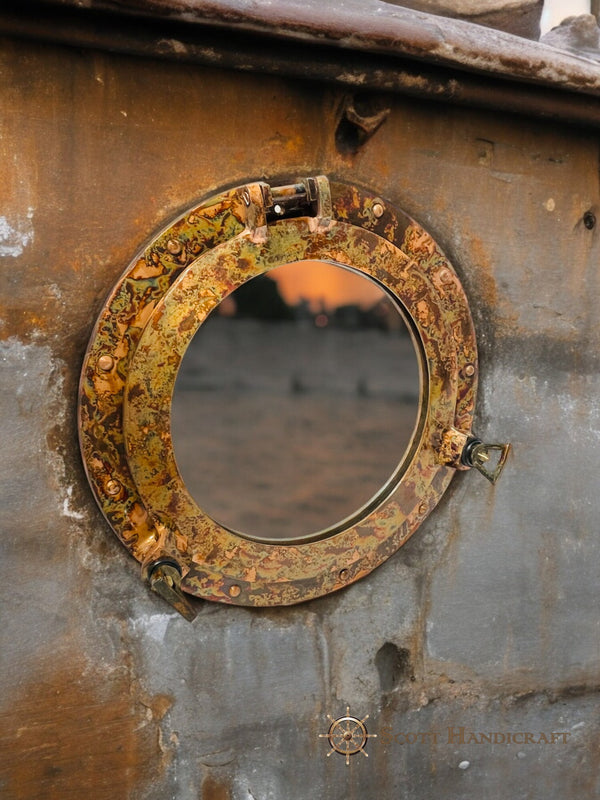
486,283
493,305
74,734
213,789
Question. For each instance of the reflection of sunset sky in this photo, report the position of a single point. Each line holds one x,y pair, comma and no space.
325,285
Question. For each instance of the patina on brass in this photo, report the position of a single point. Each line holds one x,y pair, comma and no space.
142,335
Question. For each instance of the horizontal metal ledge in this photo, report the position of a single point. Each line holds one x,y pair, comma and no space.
569,91
371,26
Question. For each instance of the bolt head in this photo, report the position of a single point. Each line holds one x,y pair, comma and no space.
378,210
469,370
106,363
112,487
174,247
234,591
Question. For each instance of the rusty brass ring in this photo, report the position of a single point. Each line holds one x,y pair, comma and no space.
142,335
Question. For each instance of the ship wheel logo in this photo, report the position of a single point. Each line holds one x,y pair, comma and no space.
347,735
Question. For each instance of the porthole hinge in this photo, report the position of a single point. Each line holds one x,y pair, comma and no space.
310,197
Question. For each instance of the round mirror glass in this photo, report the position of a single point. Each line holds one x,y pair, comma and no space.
296,402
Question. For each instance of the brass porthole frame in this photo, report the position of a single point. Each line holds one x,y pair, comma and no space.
151,316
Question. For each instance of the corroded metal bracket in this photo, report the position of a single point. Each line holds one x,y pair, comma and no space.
142,335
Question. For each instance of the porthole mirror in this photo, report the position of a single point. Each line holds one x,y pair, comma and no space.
194,467
296,402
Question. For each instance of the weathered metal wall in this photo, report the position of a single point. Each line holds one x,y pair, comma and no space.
486,620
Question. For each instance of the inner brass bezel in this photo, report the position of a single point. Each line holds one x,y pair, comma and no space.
392,479
144,330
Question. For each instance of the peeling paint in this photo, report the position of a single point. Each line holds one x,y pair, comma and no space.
14,240
154,626
67,510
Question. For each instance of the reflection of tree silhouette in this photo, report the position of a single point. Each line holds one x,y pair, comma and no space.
260,298
383,316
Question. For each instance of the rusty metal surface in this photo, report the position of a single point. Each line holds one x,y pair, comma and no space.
151,317
375,27
487,619
473,66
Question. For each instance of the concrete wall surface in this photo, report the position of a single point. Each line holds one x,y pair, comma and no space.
475,650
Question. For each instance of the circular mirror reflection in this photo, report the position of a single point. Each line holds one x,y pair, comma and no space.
295,402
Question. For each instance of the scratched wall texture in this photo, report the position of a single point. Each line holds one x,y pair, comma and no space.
487,619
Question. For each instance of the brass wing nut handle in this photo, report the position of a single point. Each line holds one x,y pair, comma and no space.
464,451
479,455
141,337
